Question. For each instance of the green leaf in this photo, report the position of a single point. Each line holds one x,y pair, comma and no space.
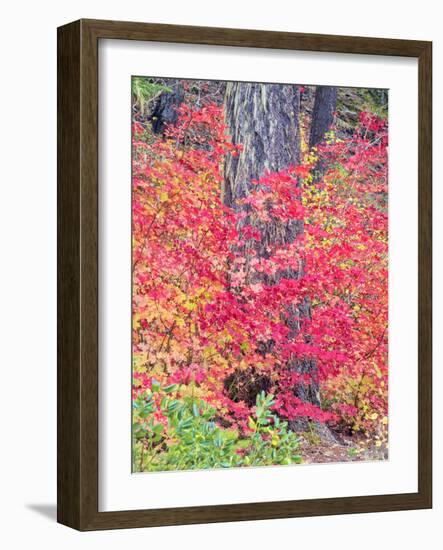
251,423
185,424
173,406
158,429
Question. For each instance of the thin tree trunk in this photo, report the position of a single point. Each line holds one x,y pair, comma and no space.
325,104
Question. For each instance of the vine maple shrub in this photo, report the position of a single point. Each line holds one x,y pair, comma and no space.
218,328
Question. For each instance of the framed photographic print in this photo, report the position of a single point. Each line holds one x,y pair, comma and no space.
244,275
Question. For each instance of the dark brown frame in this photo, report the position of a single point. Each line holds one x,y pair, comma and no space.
77,455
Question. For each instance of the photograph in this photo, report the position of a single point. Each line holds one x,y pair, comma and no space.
259,216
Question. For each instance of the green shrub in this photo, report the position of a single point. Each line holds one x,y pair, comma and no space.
191,439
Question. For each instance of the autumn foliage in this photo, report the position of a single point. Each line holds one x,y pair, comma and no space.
217,321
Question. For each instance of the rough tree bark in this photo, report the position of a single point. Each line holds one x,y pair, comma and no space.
325,104
264,119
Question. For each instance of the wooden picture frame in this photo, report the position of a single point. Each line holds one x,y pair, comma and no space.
78,274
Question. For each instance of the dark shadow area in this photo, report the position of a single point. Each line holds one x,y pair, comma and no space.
49,511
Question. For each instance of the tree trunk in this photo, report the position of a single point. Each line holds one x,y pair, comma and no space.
325,104
264,118
164,111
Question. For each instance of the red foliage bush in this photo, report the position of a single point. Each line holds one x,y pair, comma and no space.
205,301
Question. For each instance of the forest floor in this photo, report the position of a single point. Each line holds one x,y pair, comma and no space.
317,450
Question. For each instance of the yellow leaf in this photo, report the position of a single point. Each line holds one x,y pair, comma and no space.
252,425
164,197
